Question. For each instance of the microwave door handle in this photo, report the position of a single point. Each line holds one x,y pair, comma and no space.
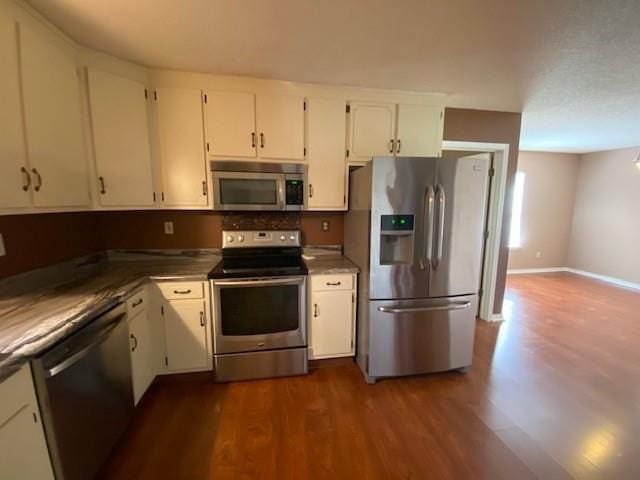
282,200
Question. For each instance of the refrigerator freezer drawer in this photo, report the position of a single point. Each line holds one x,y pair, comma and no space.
409,337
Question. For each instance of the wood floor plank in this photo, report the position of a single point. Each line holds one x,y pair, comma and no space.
553,394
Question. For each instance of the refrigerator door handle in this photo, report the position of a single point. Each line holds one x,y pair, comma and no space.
448,306
426,250
441,200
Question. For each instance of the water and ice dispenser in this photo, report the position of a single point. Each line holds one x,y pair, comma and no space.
396,239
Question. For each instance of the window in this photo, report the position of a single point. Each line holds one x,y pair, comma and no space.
515,237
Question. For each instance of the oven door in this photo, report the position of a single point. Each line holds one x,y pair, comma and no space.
248,191
259,314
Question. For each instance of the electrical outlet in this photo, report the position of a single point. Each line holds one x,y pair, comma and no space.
3,252
325,225
168,228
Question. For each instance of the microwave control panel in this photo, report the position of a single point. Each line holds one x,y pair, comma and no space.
294,191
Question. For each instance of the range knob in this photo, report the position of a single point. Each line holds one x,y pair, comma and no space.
229,238
282,238
292,238
241,238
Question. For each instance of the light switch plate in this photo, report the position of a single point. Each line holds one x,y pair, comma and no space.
168,228
3,252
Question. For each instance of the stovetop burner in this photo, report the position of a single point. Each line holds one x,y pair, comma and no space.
248,254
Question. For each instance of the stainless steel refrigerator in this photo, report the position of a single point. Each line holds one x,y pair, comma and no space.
415,228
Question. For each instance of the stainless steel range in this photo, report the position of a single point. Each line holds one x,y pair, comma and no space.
259,306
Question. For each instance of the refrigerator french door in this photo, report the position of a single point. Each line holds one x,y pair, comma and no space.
420,275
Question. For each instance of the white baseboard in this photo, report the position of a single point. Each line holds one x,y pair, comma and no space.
605,278
523,271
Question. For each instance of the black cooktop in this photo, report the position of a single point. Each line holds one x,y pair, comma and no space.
259,262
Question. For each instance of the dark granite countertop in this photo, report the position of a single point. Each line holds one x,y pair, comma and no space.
41,307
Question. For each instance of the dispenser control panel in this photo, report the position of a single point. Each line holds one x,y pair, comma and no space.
391,223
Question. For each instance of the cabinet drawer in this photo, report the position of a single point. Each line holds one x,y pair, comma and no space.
331,282
137,302
181,290
15,392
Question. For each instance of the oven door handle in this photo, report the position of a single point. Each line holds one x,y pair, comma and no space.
258,282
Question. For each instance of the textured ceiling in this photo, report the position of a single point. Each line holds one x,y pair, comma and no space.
571,66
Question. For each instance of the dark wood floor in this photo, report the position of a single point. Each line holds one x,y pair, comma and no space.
554,393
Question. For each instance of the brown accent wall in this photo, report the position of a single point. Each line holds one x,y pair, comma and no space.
38,240
495,127
34,241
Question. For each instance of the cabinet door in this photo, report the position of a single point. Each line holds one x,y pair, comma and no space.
230,124
185,334
120,140
23,451
55,142
419,131
332,324
372,130
280,122
142,360
180,129
13,157
326,149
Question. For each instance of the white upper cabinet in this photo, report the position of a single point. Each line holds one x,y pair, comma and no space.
55,142
419,131
230,124
280,126
15,189
372,130
182,154
120,126
326,150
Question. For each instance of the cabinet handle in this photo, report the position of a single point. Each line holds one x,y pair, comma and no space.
39,178
261,140
103,190
202,319
391,146
204,188
316,310
399,144
182,292
310,190
135,342
27,178
253,139
137,303
335,284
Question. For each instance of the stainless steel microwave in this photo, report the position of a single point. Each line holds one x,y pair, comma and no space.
257,186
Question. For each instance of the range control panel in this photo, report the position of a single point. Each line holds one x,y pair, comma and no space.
260,238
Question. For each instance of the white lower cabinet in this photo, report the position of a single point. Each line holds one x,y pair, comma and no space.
23,448
187,327
142,344
332,316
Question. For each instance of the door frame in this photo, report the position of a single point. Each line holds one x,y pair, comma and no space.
497,192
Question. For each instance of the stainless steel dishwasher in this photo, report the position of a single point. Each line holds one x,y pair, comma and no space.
85,394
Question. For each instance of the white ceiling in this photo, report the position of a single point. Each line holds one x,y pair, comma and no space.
571,66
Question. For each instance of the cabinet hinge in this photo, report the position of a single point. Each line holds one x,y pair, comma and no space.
155,95
162,310
146,94
304,106
154,197
35,418
348,108
480,292
207,146
166,361
352,343
162,195
441,114
353,298
344,199
304,151
492,172
347,152
205,98
486,234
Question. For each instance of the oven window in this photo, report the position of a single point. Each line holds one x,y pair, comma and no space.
259,310
247,191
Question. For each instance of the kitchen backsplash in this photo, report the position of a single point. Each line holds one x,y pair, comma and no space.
38,240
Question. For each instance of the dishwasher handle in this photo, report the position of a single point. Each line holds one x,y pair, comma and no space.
100,338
